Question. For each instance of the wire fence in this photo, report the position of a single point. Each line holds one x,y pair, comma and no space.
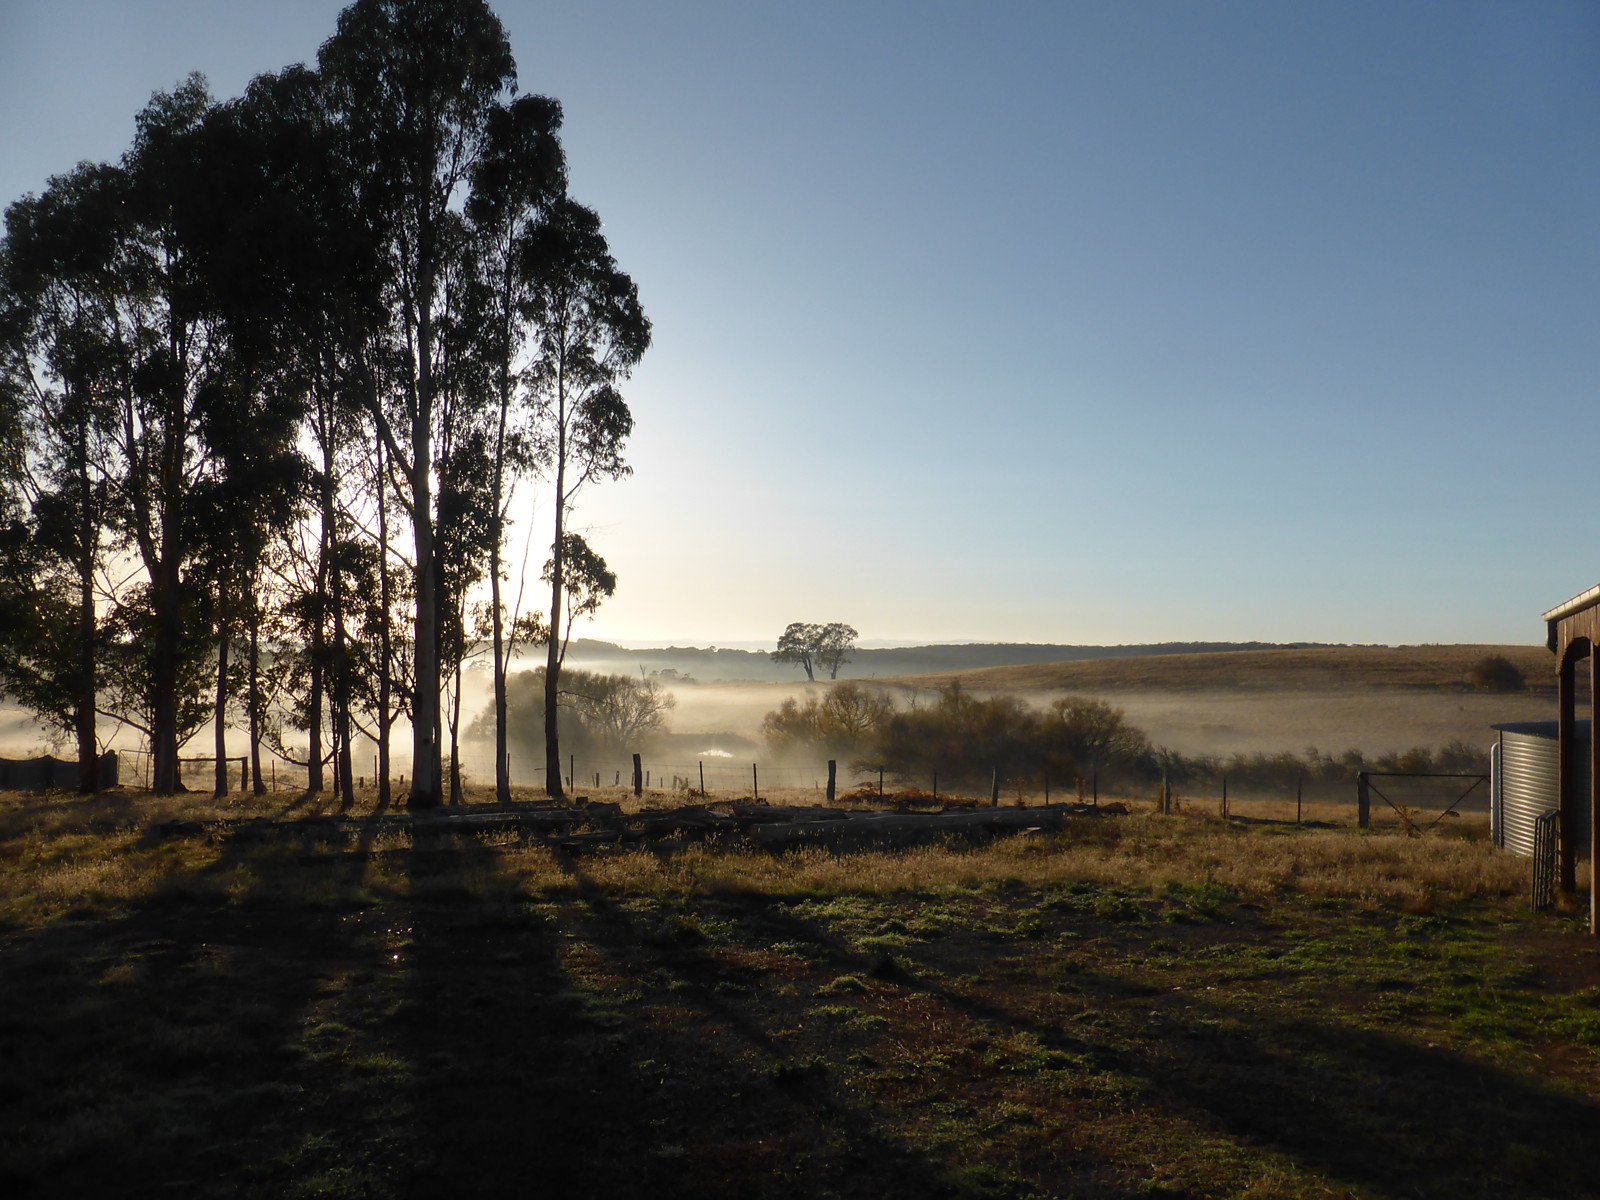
711,776
1414,803
195,772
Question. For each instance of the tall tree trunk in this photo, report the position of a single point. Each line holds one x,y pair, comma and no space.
502,765
425,765
456,797
439,709
346,759
166,580
385,678
502,756
164,595
258,785
88,638
319,656
219,716
314,716
84,704
319,622
339,683
552,670
502,752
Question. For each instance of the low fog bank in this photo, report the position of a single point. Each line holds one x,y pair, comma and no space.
720,725
1374,722
1217,722
728,717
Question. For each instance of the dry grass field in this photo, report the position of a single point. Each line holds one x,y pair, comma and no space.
1375,699
1138,1005
1329,669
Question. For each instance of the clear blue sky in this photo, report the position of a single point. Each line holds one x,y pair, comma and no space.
1108,322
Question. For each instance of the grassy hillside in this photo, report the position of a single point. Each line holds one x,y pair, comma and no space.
724,665
1322,669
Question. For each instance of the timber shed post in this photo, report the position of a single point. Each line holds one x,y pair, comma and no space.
1573,631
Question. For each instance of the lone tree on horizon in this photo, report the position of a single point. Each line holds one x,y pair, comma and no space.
810,646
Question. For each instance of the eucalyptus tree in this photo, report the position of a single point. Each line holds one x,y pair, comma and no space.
798,644
174,340
835,646
286,263
59,379
412,84
521,173
589,331
465,463
586,583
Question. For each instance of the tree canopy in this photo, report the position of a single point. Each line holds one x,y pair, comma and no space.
268,384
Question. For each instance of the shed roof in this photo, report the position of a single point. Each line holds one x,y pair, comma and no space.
1578,603
1541,729
1573,619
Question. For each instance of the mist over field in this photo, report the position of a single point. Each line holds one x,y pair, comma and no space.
1236,701
1208,722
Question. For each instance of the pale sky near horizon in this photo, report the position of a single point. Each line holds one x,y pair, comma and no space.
1067,322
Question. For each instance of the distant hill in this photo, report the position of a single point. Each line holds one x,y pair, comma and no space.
713,665
1286,669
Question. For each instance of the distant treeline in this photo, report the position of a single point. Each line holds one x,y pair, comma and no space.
965,740
721,665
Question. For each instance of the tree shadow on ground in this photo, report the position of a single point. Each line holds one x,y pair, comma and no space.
176,1046
540,1062
346,1010
1386,1114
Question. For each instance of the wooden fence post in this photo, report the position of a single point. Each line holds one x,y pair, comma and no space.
994,793
1363,800
880,783
755,782
638,777
833,774
701,764
1299,792
1224,797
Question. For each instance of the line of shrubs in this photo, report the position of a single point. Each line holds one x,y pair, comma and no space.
963,740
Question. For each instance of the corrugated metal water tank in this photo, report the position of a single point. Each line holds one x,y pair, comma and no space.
1524,783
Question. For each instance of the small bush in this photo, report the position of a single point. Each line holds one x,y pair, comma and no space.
1497,673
